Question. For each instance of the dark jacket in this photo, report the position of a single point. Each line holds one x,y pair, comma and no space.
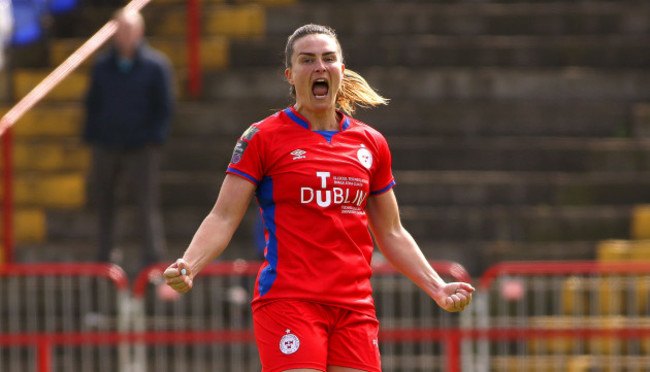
129,107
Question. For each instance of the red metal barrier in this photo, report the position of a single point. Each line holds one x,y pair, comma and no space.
562,267
193,47
563,312
241,267
449,335
112,272
521,329
43,341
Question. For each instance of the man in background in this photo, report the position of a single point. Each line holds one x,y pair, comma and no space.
128,112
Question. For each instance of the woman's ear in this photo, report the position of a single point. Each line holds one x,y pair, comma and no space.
289,75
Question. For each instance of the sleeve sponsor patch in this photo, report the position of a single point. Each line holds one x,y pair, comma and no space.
237,154
250,132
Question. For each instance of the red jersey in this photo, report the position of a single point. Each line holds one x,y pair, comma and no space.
312,189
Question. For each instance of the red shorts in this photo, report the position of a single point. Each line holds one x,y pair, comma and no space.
298,334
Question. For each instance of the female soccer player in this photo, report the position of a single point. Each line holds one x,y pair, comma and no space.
321,178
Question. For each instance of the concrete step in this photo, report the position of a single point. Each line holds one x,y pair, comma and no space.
476,256
270,3
29,225
238,20
50,155
184,189
640,228
89,18
514,222
73,88
229,118
499,251
410,84
49,190
225,119
180,223
470,188
453,223
428,50
520,17
489,118
126,254
455,188
494,84
47,121
430,85
518,223
521,154
203,154
73,233
454,154
214,51
614,250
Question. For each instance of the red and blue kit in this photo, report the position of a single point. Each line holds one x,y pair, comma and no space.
312,189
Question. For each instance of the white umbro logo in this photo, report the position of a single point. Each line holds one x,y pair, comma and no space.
298,154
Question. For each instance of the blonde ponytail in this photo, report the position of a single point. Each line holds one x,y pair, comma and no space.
356,92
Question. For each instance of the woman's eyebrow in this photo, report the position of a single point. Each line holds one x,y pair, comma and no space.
310,54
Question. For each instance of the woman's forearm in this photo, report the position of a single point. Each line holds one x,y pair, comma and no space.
401,250
209,241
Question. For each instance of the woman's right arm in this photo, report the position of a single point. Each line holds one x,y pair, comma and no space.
214,234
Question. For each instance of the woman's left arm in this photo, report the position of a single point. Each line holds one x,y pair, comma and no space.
401,250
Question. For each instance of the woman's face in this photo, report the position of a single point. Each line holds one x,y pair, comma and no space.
316,72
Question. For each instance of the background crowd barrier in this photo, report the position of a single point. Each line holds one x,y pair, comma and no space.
526,316
210,327
78,317
563,316
63,317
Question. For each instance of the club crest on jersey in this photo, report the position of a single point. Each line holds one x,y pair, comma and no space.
365,157
298,154
289,343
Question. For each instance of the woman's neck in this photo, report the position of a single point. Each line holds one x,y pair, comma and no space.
325,120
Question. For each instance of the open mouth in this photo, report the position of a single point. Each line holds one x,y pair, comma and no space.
320,89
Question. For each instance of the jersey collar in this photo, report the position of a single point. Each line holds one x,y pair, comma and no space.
298,119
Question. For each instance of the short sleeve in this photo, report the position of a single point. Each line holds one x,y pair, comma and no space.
382,179
246,160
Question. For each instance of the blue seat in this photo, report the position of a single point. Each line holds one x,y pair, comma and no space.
27,21
62,6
